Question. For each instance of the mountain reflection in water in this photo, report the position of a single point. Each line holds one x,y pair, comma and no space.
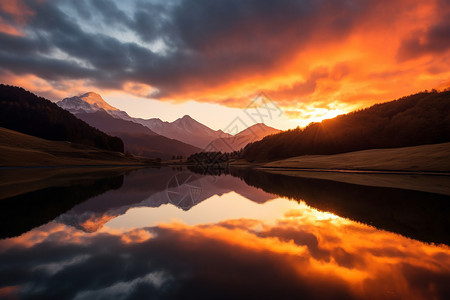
262,245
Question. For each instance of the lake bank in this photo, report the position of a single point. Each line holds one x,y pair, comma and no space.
425,158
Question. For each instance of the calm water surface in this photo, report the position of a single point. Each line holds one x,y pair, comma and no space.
169,234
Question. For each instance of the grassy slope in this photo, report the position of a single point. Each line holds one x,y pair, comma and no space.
19,149
418,158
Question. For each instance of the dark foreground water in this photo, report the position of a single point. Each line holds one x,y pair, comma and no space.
174,234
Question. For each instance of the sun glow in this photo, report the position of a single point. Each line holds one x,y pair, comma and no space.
332,113
318,115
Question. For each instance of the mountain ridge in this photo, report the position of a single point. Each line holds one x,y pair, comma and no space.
251,134
184,129
138,139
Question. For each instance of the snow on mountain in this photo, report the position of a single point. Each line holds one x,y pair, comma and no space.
89,103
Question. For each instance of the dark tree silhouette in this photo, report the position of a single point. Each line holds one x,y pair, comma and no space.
419,119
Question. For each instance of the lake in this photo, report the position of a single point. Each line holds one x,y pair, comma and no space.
174,233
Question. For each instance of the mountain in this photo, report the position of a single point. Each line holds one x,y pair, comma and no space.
89,103
107,123
139,140
251,134
27,113
419,119
184,129
155,146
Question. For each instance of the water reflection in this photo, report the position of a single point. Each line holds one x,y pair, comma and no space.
150,188
416,214
304,254
37,202
129,241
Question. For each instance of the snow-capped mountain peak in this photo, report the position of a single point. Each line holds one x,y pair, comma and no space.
91,102
96,100
88,102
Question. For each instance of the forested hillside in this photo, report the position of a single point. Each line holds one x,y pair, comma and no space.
419,119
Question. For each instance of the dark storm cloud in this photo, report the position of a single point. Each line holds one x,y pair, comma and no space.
432,41
17,45
110,12
83,9
206,41
22,55
153,20
192,266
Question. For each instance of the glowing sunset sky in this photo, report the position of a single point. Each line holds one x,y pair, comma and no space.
209,58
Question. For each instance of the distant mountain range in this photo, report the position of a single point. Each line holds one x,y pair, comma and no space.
184,129
419,119
138,139
154,137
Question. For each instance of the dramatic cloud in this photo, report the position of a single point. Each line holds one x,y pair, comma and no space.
433,41
306,253
303,53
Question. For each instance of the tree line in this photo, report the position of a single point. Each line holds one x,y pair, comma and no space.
422,118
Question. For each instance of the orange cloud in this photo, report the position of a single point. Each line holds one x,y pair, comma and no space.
356,72
136,236
326,248
9,29
19,12
52,90
303,55
16,8
139,89
9,292
311,248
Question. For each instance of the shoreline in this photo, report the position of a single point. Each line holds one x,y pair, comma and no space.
77,166
356,171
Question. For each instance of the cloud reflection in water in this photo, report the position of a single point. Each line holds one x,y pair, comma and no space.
304,254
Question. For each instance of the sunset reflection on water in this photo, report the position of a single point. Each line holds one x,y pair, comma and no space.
300,253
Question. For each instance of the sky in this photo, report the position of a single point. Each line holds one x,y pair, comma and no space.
313,59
